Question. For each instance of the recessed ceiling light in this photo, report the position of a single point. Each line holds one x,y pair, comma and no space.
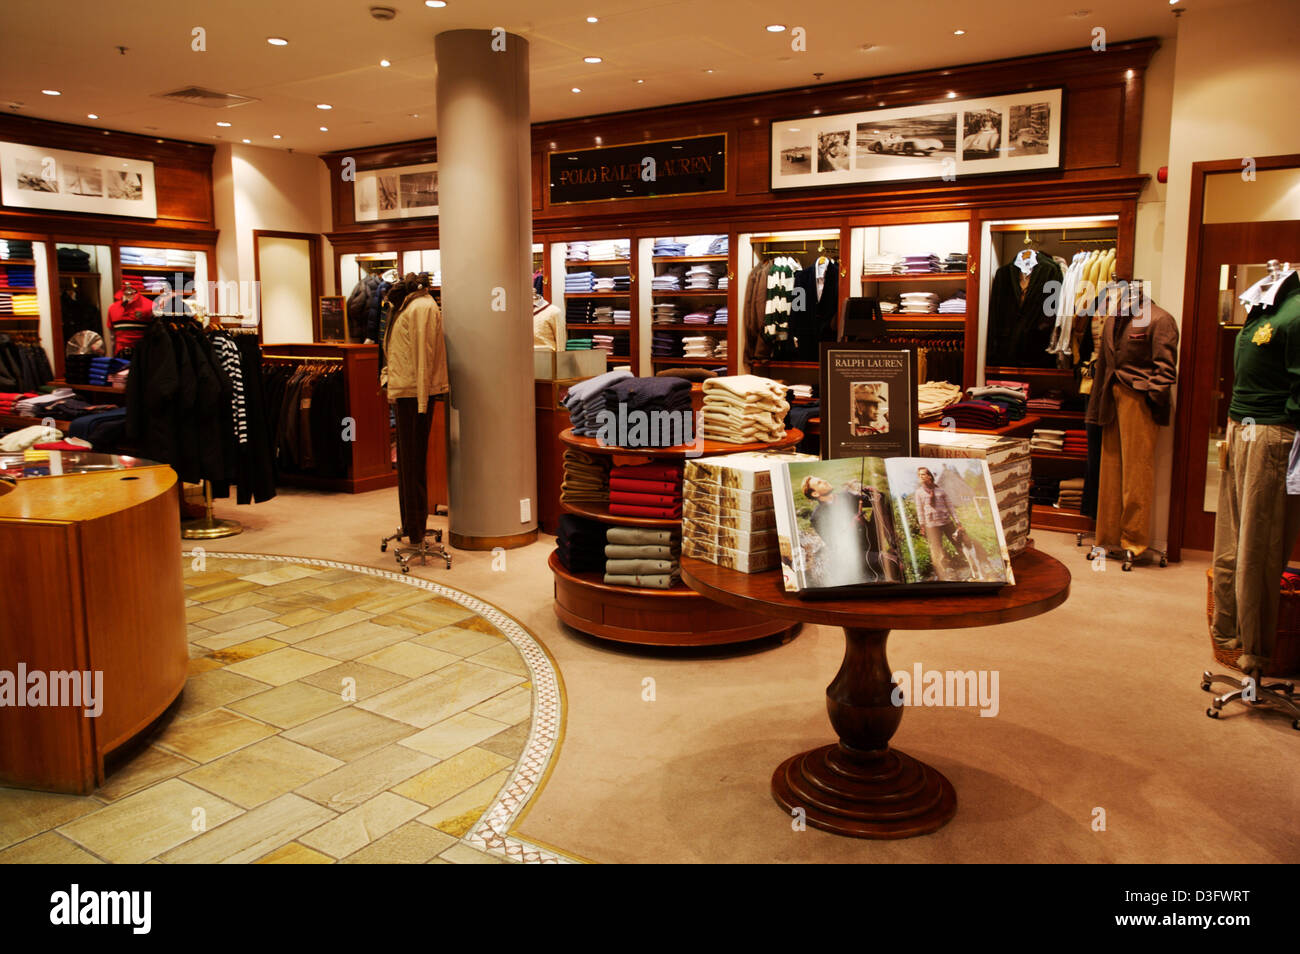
958,32
385,63
640,81
575,90
277,41
245,140
91,116
794,129
51,92
708,71
324,129
324,106
593,19
951,94
222,123
413,115
592,59
276,136
435,3
775,28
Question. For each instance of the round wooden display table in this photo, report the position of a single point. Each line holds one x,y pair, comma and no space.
648,617
860,786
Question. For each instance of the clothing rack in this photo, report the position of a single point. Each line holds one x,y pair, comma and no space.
322,359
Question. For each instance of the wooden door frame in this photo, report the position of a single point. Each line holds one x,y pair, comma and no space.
313,243
1188,351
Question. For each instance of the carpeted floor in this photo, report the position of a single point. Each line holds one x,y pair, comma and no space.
1100,751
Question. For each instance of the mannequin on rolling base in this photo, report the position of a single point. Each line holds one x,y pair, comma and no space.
414,376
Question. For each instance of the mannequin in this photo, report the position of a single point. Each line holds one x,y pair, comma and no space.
1258,521
415,374
1132,386
128,318
545,317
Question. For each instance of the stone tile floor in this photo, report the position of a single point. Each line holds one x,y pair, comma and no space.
332,714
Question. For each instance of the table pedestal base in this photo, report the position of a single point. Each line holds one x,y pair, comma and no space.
885,795
860,786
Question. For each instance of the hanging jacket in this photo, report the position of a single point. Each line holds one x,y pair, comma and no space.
1020,327
815,322
417,354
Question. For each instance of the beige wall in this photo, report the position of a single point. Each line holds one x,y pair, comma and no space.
285,289
268,189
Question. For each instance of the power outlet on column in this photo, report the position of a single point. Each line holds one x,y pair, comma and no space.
525,509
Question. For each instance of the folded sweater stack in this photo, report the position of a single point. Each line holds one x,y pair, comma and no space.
580,544
743,409
586,477
636,556
648,412
586,400
934,397
1012,399
1076,442
646,490
982,415
1047,439
1071,496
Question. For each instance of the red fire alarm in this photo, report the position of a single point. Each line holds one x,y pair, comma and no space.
1162,174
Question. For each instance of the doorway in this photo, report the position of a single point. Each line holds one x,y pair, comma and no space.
288,274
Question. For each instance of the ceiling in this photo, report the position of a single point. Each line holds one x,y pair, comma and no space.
682,50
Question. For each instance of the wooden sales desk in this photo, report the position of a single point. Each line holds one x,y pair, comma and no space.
90,572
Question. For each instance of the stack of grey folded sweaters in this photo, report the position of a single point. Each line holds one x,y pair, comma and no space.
637,556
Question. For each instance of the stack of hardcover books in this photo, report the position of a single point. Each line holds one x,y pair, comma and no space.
1009,466
727,511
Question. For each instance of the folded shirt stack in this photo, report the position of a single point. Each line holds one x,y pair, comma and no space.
668,280
578,344
918,303
622,316
603,283
701,346
720,349
580,544
888,307
699,316
1047,439
744,408
72,259
586,477
724,282
181,258
16,277
803,392
639,405
1051,400
1076,442
603,343
134,255
954,262
664,313
15,248
576,252
1011,399
665,345
579,282
579,312
1071,494
719,246
921,264
721,316
707,245
700,277
667,248
956,305
602,315
886,263
34,406
638,556
586,399
933,398
646,490
982,415
1021,386
8,400
101,368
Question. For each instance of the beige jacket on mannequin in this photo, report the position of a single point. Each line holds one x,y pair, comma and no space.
417,354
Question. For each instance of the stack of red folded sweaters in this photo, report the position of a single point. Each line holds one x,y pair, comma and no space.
8,400
1076,442
646,490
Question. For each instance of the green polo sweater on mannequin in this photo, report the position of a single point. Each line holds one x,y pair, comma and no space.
1266,361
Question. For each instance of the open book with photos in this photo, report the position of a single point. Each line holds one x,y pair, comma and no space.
868,525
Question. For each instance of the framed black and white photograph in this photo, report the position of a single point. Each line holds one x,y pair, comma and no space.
32,177
404,192
1014,132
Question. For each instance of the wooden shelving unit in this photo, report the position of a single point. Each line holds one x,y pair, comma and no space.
650,617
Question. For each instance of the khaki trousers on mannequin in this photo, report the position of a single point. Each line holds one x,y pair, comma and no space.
1254,531
1127,478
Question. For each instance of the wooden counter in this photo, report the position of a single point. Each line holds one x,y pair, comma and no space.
90,571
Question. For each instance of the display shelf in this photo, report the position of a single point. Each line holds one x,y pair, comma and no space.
1021,428
682,326
691,293
956,321
93,388
1058,455
20,317
1047,517
919,277
159,269
600,511
670,259
75,274
614,294
19,421
801,365
651,617
707,363
602,263
648,617
18,261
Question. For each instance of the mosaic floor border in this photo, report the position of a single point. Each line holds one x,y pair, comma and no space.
493,833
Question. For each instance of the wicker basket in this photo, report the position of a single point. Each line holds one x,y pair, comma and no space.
1286,652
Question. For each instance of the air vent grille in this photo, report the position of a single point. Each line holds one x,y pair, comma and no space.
198,96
